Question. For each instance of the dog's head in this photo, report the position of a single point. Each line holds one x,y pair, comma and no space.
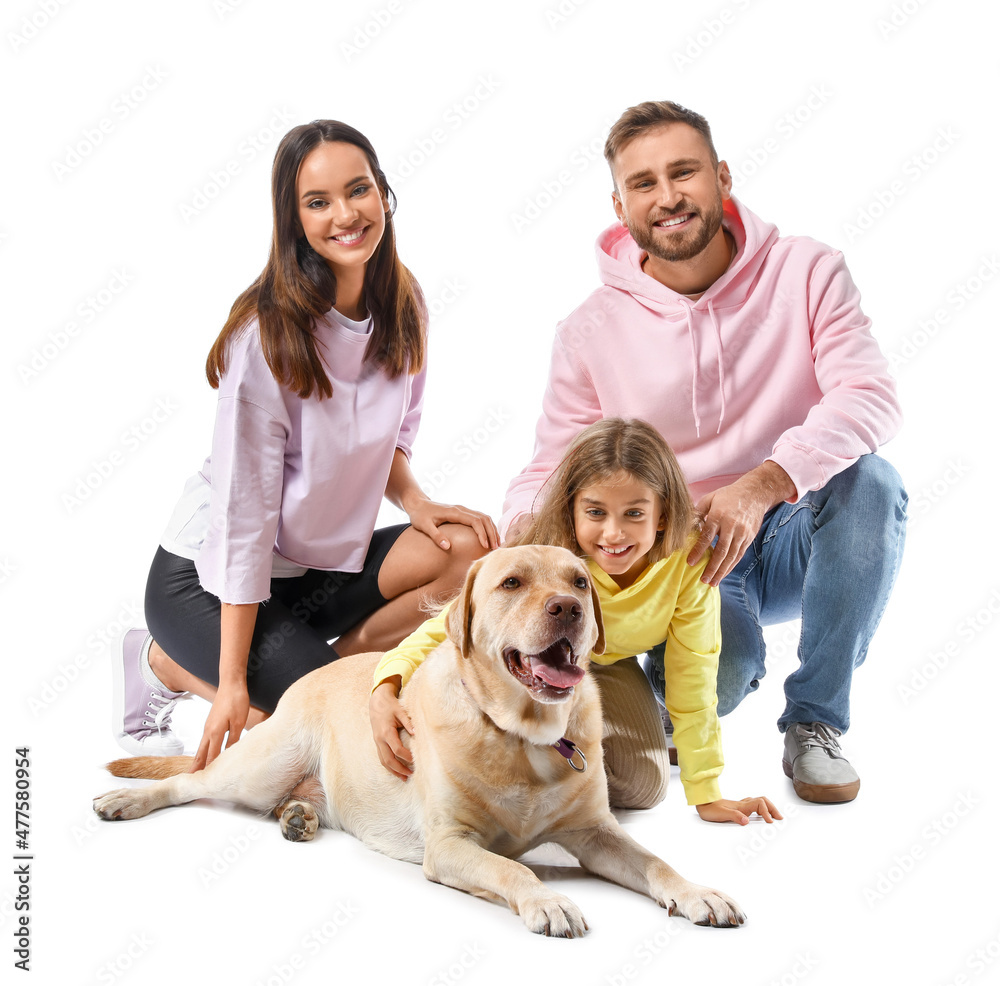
534,611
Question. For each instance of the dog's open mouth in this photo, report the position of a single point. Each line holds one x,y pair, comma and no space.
551,673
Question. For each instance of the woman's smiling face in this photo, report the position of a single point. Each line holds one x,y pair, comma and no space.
341,208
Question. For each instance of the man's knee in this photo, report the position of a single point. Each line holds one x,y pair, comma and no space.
874,478
732,691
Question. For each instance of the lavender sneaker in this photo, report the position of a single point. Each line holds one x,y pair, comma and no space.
142,704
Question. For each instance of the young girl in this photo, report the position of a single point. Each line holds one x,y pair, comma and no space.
619,498
320,372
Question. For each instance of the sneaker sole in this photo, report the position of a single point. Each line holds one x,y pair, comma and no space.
822,794
125,741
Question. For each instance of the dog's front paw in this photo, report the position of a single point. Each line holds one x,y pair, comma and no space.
298,821
553,915
123,803
702,905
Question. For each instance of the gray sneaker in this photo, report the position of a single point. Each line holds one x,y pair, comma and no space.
814,762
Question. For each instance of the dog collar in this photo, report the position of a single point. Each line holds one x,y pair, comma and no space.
569,750
566,748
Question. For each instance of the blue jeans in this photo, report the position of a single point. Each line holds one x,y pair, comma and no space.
830,560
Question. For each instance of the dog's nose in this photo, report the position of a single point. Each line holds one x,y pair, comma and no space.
564,608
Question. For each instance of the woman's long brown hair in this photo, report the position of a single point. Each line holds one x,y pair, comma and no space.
297,286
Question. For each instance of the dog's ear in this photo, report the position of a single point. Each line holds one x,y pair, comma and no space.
458,622
599,646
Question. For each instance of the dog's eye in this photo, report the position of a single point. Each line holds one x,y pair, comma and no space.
511,583
582,583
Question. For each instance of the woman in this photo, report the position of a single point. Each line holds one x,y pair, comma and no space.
320,372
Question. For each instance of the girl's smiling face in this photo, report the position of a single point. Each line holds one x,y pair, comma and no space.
616,522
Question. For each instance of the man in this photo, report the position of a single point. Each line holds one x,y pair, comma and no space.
751,355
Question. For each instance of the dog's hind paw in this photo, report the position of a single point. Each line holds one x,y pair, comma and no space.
554,916
123,803
704,906
298,821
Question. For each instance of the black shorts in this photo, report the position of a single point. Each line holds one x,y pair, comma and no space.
293,629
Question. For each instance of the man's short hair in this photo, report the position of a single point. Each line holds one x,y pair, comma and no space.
636,120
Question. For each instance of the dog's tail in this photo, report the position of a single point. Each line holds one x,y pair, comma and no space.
153,768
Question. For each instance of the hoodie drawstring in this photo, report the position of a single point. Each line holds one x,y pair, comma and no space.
694,369
722,374
694,373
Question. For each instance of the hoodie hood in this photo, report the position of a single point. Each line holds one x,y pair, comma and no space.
619,260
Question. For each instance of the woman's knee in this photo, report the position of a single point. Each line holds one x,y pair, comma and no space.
465,548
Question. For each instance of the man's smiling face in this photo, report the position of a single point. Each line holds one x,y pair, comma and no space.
669,193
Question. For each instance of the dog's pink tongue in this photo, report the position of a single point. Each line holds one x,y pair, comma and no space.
554,667
557,677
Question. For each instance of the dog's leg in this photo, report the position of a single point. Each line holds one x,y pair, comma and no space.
298,816
456,859
256,772
609,851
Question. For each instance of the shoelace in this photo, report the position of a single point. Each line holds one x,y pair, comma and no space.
163,712
820,735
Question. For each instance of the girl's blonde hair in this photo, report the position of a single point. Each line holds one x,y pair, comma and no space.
607,447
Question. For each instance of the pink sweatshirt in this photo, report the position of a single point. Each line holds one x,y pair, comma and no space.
774,361
293,480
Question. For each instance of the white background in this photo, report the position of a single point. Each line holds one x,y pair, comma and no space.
870,126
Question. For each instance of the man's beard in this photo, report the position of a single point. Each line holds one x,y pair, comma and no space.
689,246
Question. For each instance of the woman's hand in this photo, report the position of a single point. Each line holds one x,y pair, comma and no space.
426,516
228,715
388,716
738,811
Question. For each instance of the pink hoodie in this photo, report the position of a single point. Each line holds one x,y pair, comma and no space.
774,361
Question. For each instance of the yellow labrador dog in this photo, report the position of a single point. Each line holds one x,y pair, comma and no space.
507,753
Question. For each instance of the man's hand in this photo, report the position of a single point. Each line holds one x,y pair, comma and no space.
734,514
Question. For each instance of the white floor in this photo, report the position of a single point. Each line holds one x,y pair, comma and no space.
892,885
134,208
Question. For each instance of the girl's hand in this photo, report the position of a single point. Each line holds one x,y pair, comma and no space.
426,515
228,715
388,716
738,811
